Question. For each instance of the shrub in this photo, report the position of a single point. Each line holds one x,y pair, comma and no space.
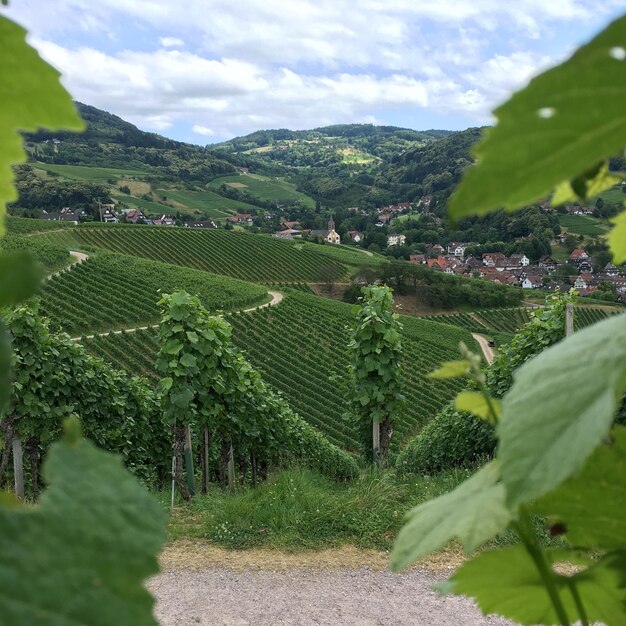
450,440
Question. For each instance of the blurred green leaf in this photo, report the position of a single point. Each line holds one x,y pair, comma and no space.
451,369
507,582
20,276
475,403
592,504
552,131
560,407
474,512
617,238
32,97
82,555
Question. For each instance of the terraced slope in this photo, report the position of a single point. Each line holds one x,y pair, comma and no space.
256,258
510,320
300,346
111,291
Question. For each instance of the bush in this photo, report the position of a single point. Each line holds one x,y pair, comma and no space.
450,440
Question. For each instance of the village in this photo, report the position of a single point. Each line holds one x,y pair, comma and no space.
580,270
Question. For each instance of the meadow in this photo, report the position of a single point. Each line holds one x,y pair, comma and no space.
93,174
272,189
583,224
209,203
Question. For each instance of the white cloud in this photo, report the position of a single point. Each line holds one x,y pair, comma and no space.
202,130
268,63
172,42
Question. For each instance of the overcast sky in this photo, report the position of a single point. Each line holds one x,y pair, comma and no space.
207,70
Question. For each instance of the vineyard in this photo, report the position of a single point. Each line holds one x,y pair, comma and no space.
300,346
52,256
510,320
250,257
111,291
23,225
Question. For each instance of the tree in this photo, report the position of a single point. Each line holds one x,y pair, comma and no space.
374,350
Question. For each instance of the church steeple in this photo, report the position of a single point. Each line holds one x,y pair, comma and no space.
331,224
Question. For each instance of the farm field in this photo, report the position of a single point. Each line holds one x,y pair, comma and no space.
583,224
211,204
94,174
110,291
23,225
267,188
615,195
300,347
250,257
149,207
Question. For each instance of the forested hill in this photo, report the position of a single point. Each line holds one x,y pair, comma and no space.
336,167
351,144
109,141
435,168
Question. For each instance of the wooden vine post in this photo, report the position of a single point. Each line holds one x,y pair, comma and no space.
376,441
569,319
18,466
189,472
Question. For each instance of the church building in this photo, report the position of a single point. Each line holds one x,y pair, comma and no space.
330,235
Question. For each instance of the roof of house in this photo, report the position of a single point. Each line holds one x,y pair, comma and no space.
579,253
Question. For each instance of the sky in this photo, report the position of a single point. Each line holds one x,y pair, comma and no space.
204,71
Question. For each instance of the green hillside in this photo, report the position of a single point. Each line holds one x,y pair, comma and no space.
110,291
584,224
257,258
300,345
269,189
95,174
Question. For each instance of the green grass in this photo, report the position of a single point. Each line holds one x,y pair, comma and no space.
256,258
149,207
273,189
584,224
211,204
94,174
299,509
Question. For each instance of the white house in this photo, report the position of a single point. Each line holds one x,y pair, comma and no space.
396,240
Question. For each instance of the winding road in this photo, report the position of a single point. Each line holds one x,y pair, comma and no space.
485,347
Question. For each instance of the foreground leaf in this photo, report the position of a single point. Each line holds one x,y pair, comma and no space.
507,582
560,407
20,275
592,504
475,403
617,239
551,131
32,97
473,513
451,369
82,554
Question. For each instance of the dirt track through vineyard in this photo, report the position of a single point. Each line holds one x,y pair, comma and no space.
304,597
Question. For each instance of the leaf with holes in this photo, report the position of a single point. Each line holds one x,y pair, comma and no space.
591,505
551,131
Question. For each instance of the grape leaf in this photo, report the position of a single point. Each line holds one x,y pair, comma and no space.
19,277
475,403
507,582
592,504
32,97
552,130
560,407
451,369
474,512
81,555
617,238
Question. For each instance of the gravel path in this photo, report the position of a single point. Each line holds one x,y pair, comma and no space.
305,597
485,347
